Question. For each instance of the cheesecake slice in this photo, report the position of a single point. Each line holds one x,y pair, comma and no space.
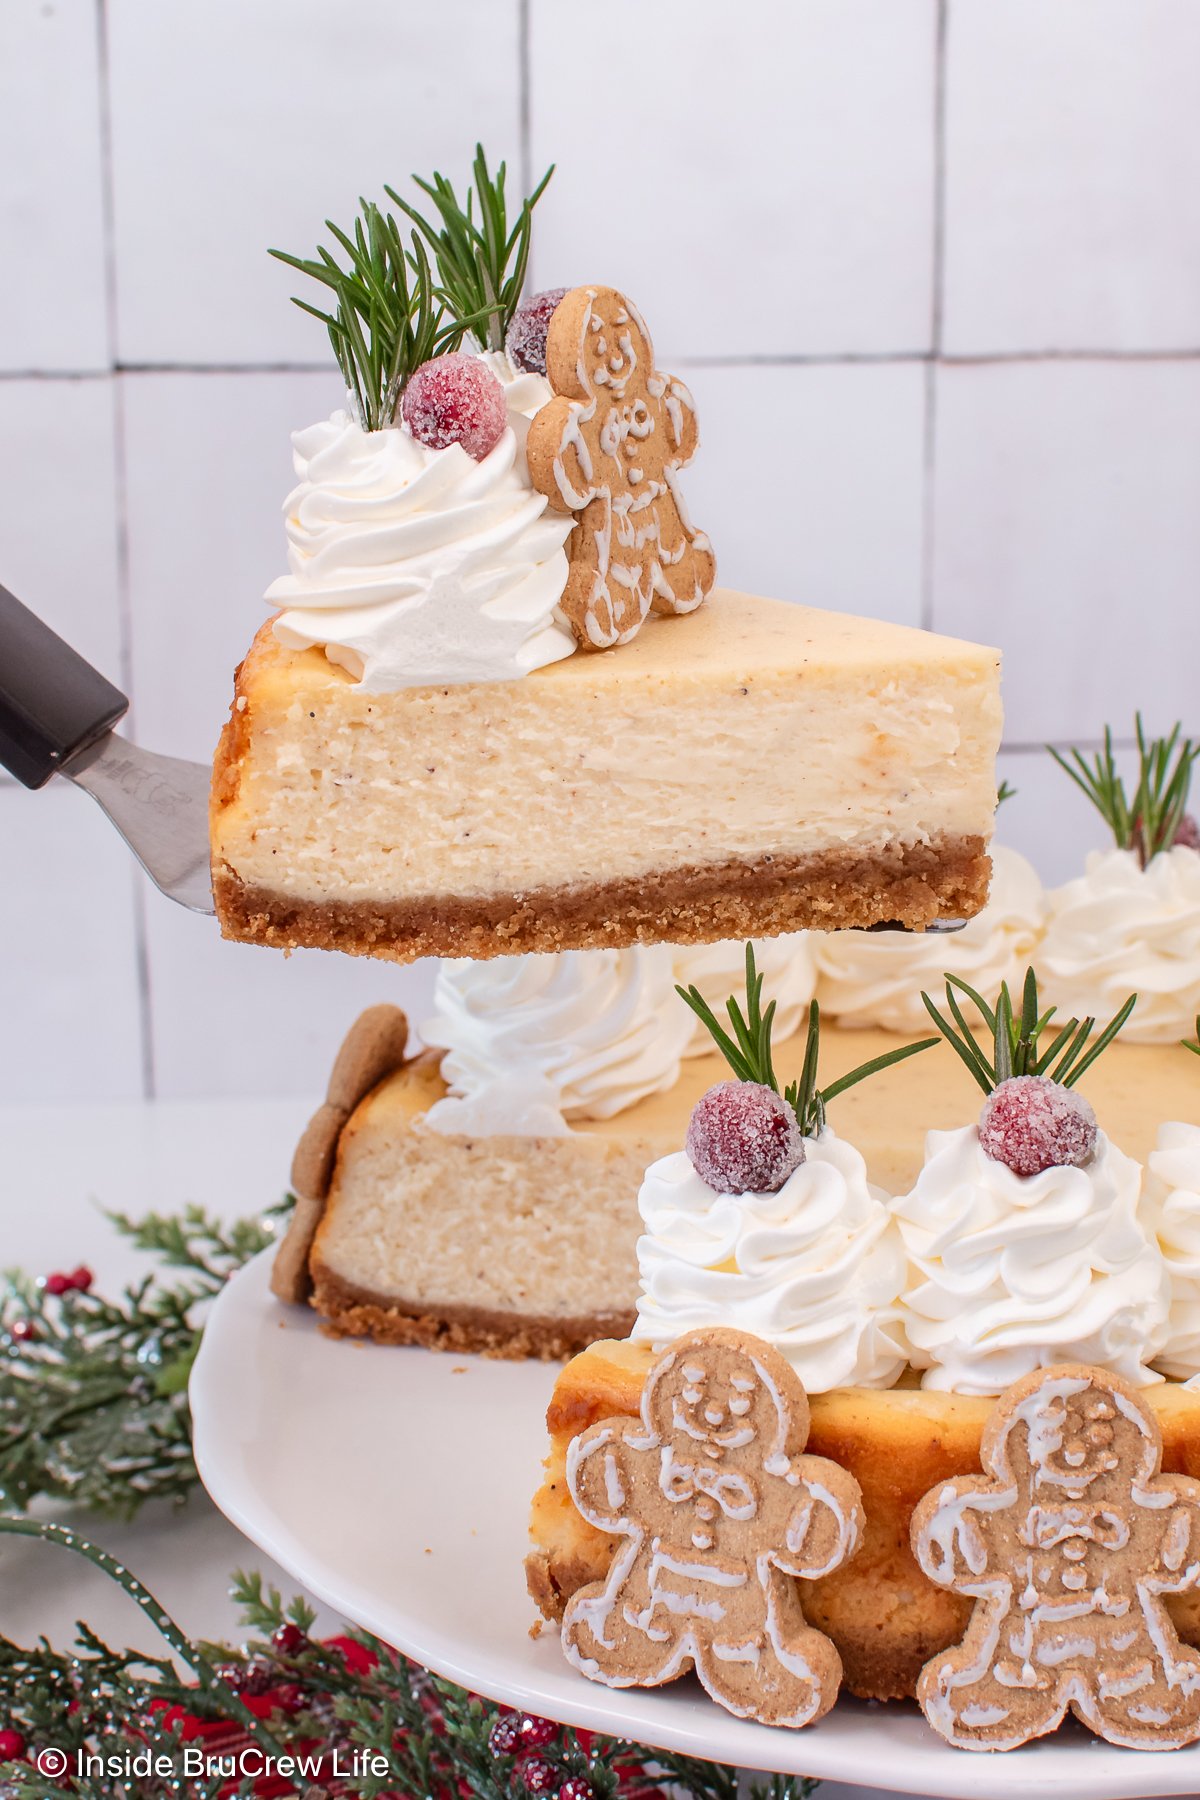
751,768
527,1246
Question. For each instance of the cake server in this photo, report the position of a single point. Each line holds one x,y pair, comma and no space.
57,715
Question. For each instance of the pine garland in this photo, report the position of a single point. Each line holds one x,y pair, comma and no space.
354,1717
93,1392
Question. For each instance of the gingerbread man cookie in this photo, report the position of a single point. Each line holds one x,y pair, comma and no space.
718,1509
1067,1546
609,447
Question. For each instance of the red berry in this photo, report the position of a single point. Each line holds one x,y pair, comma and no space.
539,1775
536,1733
58,1283
290,1697
504,1739
81,1278
24,1331
455,399
744,1139
1030,1123
576,1788
288,1639
1188,833
525,339
12,1746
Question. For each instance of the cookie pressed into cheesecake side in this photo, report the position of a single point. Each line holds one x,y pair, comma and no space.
752,768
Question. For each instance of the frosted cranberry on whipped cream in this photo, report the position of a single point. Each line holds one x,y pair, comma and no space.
413,566
1023,1236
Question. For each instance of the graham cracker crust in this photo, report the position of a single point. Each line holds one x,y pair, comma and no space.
352,1311
835,890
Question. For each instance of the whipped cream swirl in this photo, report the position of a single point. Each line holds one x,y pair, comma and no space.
1011,1273
414,567
1171,1210
533,1042
787,965
1120,929
875,978
814,1269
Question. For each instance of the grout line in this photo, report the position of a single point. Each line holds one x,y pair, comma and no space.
936,277
764,360
107,185
525,94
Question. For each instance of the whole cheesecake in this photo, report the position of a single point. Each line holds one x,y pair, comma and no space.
752,767
519,1245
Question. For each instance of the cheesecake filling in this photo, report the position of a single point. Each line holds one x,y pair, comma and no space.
410,566
538,784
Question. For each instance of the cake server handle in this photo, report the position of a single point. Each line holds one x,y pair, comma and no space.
53,704
56,718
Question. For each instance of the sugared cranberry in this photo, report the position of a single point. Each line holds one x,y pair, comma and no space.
539,1776
12,1746
58,1284
455,399
536,1732
288,1638
1188,833
504,1739
744,1139
576,1788
525,340
1030,1123
82,1278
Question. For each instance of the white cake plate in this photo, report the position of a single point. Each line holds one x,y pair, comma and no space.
395,1485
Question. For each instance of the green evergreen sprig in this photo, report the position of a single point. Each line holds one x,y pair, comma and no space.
1016,1038
1149,821
481,262
1004,792
748,1052
323,1699
387,317
93,1392
1188,1045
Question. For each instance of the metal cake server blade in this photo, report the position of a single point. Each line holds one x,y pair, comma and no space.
159,804
56,718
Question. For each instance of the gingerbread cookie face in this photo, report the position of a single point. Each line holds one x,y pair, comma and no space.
1067,1545
609,448
719,1508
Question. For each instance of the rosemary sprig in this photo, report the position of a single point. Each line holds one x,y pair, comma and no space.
1149,821
748,1051
481,263
1016,1037
1004,792
1188,1045
387,316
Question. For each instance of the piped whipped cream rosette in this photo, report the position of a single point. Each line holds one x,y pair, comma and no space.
533,1043
1023,1232
1171,1210
419,551
766,1220
1131,922
869,978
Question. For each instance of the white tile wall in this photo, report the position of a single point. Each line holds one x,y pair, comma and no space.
239,124
1073,160
1068,532
762,188
857,227
53,309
